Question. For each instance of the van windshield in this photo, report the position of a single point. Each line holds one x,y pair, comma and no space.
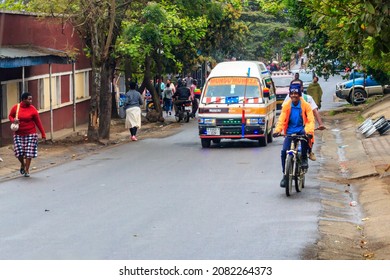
232,87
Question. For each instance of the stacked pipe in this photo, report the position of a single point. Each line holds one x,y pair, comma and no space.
369,127
382,125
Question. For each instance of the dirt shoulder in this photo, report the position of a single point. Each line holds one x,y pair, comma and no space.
353,170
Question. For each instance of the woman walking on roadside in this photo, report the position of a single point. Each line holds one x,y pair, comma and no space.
133,105
26,137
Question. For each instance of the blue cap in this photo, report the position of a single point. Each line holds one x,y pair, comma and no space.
296,88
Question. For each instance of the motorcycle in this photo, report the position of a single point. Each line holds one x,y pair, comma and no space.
326,77
184,111
325,72
150,105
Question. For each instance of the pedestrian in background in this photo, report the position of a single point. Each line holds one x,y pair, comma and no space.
315,91
171,85
297,58
133,103
189,80
26,137
195,101
297,81
167,99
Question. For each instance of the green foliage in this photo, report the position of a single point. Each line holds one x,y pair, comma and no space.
269,35
224,31
273,7
12,5
161,30
347,30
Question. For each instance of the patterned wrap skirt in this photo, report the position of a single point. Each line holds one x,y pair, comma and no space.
26,145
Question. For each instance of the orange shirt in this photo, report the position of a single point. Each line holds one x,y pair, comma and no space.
307,116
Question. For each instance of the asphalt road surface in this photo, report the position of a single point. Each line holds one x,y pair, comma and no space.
162,199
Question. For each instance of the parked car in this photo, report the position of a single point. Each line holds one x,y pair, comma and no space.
282,80
356,91
356,74
306,76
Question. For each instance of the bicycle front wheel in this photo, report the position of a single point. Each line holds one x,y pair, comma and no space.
289,174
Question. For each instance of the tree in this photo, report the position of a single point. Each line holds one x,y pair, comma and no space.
350,31
224,38
270,36
156,34
99,23
178,35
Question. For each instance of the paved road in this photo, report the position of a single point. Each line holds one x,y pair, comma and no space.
161,199
329,100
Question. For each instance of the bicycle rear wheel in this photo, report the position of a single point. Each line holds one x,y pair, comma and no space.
289,174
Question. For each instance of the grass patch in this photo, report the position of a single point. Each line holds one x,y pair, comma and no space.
360,118
369,101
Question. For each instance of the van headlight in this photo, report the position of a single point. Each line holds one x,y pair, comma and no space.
255,121
207,121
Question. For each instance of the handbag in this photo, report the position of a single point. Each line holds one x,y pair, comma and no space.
122,112
15,126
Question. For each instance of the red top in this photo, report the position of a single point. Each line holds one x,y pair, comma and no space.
28,118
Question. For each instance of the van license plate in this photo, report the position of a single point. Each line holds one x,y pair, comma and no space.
213,131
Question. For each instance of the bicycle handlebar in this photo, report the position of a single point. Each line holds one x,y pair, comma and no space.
295,136
300,137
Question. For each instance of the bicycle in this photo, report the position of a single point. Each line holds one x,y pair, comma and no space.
293,169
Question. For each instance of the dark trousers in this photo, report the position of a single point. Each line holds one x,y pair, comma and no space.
167,104
286,146
195,106
133,131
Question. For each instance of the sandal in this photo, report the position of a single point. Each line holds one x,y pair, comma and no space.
26,174
22,171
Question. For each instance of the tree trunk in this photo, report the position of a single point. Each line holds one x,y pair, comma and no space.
159,70
99,23
93,134
155,94
128,72
105,100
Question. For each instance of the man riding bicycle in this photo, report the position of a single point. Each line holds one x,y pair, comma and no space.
296,118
